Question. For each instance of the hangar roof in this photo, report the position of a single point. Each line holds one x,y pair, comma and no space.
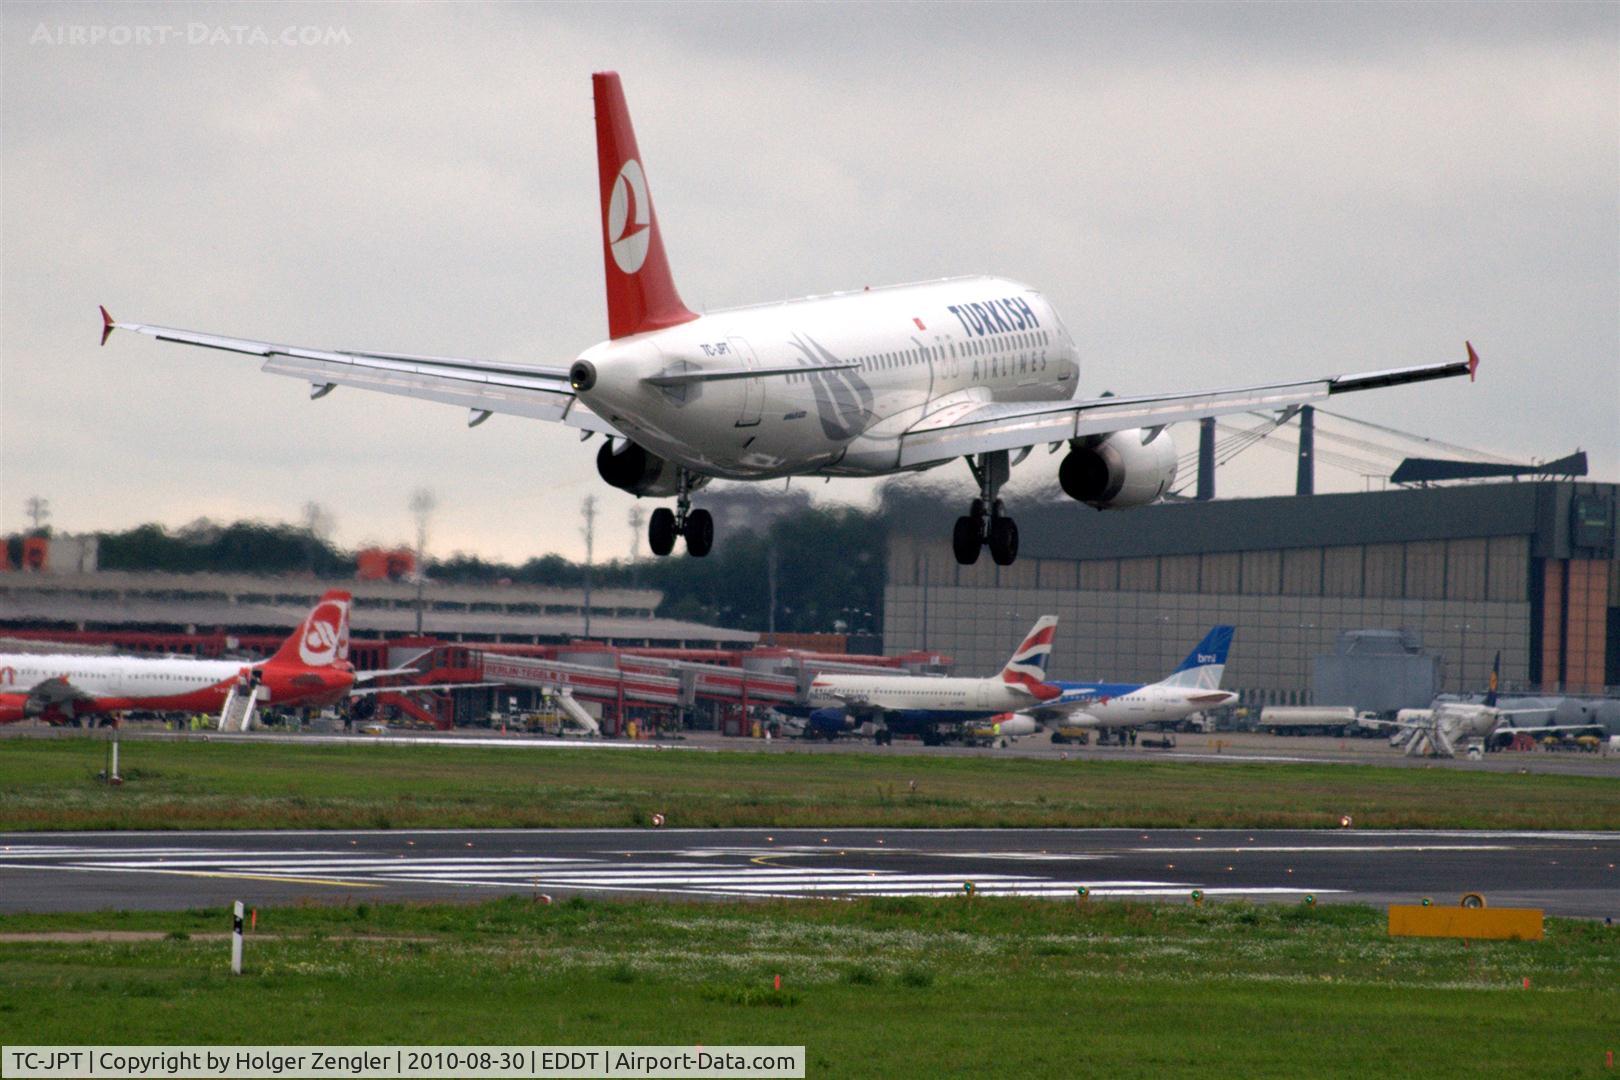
1069,530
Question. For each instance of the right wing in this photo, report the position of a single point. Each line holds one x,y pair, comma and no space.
541,393
972,427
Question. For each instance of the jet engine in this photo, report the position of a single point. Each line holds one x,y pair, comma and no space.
632,468
827,723
1013,725
1074,720
1122,469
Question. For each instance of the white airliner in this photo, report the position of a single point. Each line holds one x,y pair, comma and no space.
927,706
1193,687
311,668
867,383
1446,726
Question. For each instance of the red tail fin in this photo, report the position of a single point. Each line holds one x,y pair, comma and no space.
641,294
322,639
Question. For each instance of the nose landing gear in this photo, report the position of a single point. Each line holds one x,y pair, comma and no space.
975,530
666,524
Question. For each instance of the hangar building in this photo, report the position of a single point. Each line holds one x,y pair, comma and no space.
1527,568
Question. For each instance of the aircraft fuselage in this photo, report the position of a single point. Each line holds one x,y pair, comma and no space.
922,351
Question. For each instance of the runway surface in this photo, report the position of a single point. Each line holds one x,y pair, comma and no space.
1564,873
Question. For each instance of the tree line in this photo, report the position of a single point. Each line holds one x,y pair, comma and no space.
829,567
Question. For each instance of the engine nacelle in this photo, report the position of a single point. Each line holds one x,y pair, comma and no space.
632,468
828,723
1013,725
1121,470
1075,721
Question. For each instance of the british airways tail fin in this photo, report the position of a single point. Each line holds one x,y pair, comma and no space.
1206,663
322,639
641,293
1027,668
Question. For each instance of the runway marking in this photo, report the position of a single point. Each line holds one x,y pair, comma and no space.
716,872
1311,848
271,877
798,830
105,869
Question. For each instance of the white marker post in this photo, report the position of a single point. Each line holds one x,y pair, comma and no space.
236,940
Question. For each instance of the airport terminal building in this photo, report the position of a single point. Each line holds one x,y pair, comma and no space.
1527,568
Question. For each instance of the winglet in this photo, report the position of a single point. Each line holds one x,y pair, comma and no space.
107,325
1473,359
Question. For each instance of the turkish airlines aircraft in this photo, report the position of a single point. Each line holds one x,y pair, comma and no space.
919,703
310,668
868,383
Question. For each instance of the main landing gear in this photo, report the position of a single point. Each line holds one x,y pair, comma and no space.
696,525
976,529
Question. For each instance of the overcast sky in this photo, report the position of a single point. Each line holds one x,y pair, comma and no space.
1209,194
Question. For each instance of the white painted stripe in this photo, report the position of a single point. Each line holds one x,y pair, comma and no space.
1250,849
339,862
825,880
330,834
793,888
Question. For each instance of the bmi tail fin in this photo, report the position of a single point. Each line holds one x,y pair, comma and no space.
1206,664
641,293
1027,668
322,639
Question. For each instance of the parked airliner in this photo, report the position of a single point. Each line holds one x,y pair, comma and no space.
1447,726
930,707
1193,687
867,383
310,668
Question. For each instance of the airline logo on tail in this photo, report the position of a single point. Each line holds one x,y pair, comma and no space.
323,639
627,218
1204,666
641,292
1027,669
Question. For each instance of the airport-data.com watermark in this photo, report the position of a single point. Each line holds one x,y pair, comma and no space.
194,34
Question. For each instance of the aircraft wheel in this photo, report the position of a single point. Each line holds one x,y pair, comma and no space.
966,541
699,533
661,531
1003,540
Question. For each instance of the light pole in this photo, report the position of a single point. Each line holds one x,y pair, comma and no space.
589,511
423,503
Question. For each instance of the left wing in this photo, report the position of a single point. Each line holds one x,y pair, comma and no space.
411,688
541,393
974,428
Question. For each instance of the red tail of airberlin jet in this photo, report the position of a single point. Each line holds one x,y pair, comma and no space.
323,638
641,293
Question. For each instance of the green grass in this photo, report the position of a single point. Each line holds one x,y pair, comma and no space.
51,783
878,987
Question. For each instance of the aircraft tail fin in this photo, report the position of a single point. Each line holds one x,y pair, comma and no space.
1496,677
1027,668
322,639
1206,664
641,293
